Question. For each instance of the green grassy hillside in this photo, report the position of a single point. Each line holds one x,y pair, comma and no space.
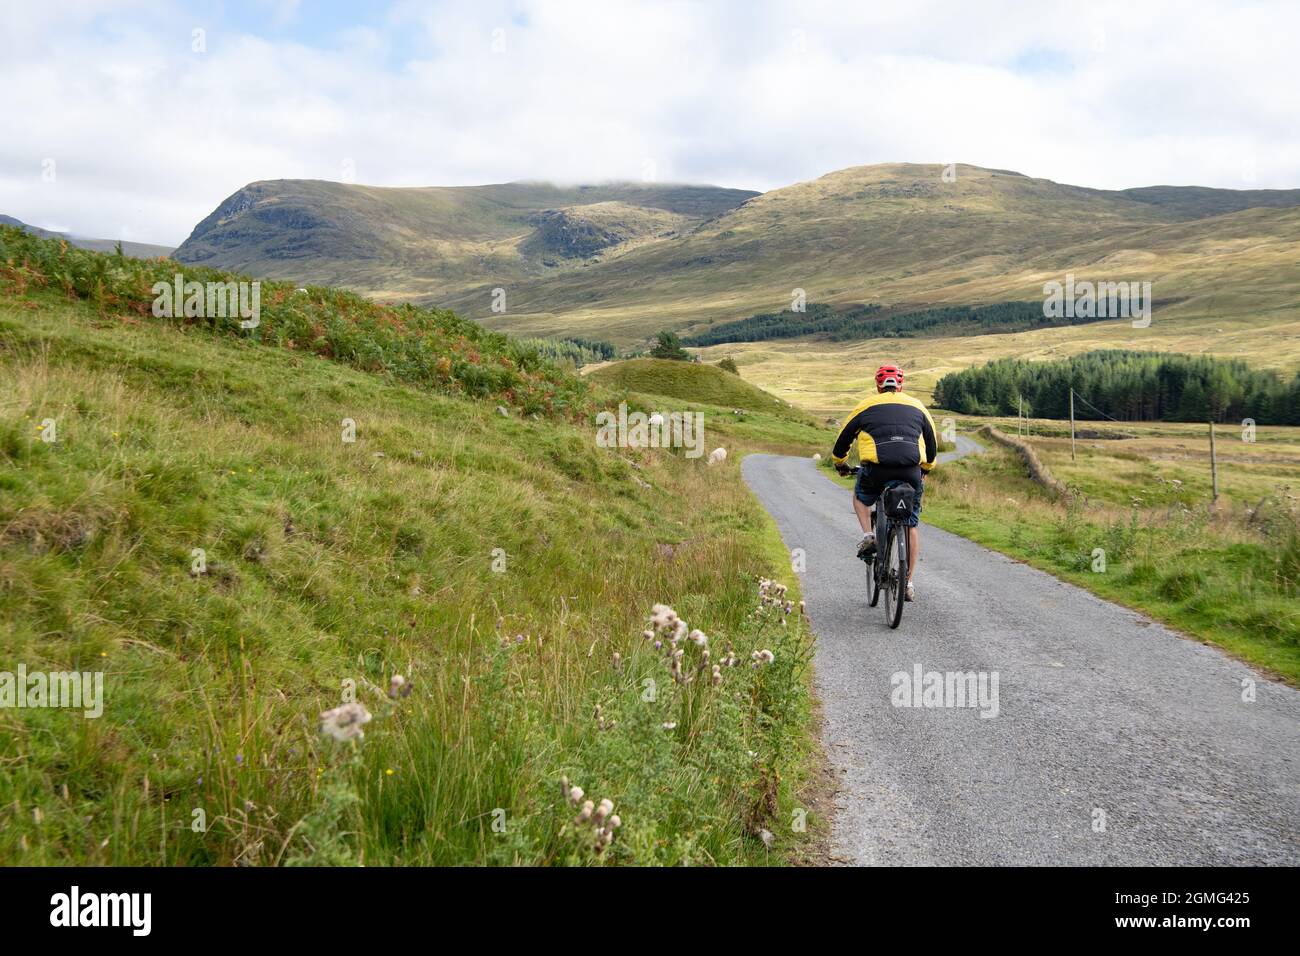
431,348
200,530
691,382
428,243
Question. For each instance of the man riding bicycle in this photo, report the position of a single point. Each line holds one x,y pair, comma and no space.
896,442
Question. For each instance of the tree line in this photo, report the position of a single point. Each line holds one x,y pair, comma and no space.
1125,385
817,319
579,351
867,322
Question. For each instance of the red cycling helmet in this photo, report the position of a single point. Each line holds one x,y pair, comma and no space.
889,375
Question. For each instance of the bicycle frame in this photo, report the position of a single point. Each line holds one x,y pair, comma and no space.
891,540
885,527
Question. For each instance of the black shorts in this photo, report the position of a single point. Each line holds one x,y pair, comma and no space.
873,478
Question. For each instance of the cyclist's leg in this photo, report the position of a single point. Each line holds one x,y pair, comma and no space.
865,494
863,498
913,528
864,513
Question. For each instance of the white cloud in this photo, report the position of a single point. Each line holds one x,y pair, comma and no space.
148,136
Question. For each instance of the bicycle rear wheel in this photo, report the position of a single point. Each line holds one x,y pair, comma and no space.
895,575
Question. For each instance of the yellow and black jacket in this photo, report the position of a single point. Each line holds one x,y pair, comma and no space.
893,429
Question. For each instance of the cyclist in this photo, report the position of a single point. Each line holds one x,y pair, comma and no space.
896,442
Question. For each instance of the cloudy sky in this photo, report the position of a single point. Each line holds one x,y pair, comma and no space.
133,119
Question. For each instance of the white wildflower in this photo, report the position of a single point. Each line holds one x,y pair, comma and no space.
662,617
345,722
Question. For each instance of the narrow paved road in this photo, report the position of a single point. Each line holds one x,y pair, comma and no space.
1115,741
965,446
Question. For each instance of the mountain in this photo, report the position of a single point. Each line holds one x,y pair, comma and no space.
621,260
137,250
1198,202
433,243
902,236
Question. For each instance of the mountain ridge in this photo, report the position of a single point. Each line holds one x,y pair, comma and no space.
430,241
683,257
136,250
892,234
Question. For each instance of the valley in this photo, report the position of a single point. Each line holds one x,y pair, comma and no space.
618,262
371,560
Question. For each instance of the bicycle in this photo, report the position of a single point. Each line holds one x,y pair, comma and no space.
887,567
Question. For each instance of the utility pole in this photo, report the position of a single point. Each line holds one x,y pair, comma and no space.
1071,424
1214,465
1020,414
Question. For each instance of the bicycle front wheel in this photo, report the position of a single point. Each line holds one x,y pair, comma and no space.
895,575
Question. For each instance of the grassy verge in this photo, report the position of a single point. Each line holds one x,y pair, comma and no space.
1208,572
201,531
803,807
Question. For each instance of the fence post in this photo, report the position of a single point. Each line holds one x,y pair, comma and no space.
1214,465
1071,424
